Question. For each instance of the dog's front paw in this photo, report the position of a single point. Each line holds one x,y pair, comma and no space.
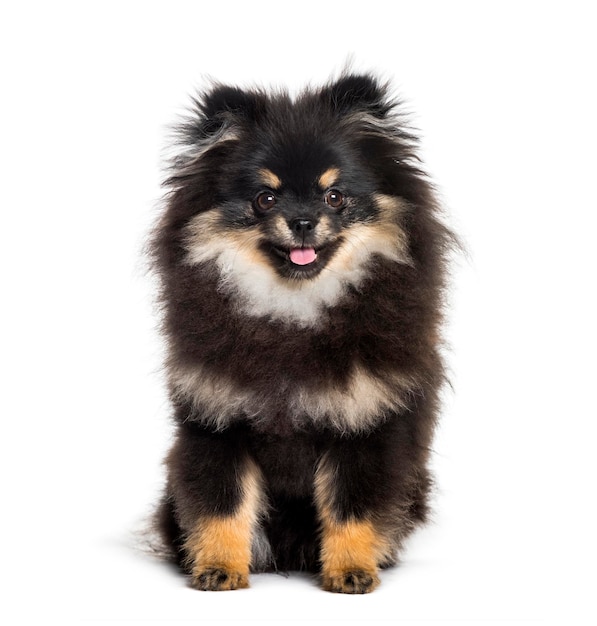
351,581
219,579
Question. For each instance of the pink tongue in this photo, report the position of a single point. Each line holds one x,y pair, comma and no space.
302,256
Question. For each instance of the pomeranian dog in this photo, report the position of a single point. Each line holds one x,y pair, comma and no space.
302,276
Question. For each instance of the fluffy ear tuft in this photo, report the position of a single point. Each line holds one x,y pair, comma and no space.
222,107
224,99
358,92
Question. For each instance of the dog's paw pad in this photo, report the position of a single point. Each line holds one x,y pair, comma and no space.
219,579
353,581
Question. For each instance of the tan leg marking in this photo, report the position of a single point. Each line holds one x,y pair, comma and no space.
219,548
350,552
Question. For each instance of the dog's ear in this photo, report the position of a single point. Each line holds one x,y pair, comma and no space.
224,100
219,111
357,92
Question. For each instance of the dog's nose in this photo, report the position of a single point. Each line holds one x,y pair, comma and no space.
301,226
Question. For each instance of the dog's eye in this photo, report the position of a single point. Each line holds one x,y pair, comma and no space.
264,201
334,199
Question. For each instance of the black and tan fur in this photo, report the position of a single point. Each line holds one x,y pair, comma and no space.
305,394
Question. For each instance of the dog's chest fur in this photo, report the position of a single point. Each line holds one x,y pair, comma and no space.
280,375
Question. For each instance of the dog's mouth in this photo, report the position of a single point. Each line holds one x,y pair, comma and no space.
302,256
301,261
299,257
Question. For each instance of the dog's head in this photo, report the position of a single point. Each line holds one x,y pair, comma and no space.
279,193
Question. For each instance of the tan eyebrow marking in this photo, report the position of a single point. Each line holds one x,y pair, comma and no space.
329,177
269,179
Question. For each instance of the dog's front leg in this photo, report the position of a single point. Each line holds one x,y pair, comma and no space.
352,500
217,494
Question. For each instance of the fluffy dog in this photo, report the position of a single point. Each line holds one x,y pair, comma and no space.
302,271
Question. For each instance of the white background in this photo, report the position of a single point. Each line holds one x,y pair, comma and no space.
504,95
